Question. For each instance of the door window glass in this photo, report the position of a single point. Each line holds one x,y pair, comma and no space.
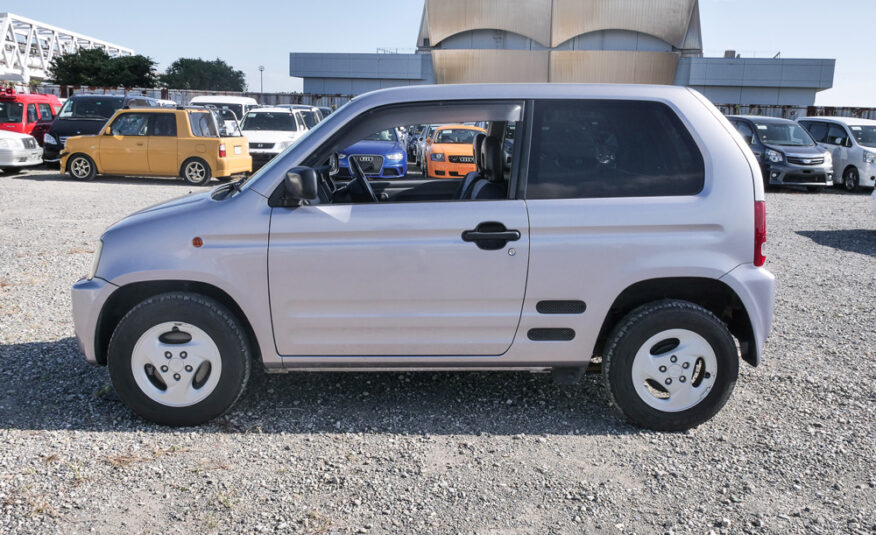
11,112
745,130
817,130
46,112
597,149
837,135
164,124
130,124
32,116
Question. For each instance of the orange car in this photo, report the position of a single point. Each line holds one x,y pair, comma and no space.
451,151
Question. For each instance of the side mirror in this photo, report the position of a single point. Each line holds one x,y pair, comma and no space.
334,164
839,141
300,184
108,131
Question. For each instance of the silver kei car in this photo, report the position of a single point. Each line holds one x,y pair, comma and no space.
629,226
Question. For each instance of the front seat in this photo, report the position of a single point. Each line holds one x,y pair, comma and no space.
492,185
464,190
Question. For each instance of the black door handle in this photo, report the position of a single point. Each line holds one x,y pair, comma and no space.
490,235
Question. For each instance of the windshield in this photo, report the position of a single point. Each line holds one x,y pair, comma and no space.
788,135
310,118
385,135
269,121
456,135
236,108
11,112
864,135
90,108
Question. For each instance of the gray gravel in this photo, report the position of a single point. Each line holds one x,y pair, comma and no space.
792,452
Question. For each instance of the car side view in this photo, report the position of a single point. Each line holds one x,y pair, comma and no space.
852,143
628,232
186,142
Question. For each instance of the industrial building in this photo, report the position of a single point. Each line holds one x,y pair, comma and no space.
620,41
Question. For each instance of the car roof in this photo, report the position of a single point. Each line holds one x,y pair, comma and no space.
272,109
762,119
844,120
223,99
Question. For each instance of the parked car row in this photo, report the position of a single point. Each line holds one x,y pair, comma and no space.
813,151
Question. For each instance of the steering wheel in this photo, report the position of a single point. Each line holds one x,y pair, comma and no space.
362,181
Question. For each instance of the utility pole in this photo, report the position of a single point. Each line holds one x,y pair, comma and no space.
261,78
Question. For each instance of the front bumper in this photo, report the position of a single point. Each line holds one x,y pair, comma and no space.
787,174
867,175
756,288
20,157
52,153
89,296
389,170
449,169
260,158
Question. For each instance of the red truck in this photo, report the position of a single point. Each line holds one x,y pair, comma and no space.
27,113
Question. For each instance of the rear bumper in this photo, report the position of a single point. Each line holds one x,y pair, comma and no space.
756,288
233,166
89,297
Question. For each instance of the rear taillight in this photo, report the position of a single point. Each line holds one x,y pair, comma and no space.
760,232
222,152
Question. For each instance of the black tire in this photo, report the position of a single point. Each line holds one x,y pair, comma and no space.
81,167
11,170
195,171
634,330
850,180
215,320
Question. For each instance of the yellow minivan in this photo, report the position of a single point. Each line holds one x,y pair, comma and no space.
187,142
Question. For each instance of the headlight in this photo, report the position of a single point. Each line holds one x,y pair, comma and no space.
342,156
50,139
436,157
828,159
5,143
774,156
869,157
395,156
96,260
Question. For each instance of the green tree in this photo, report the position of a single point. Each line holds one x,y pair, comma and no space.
191,73
94,67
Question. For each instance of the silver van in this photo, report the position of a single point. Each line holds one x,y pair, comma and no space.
628,229
852,142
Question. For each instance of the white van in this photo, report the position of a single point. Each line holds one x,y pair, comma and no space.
852,142
239,105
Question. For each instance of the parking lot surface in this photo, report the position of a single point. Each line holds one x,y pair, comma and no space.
792,452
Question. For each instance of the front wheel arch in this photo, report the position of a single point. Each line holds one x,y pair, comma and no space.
127,297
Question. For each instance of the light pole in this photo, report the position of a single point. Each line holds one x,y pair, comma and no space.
261,78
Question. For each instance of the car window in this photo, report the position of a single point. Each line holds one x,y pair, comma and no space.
32,116
237,109
11,112
266,120
455,136
130,124
310,118
90,108
836,135
383,135
203,124
596,149
746,131
864,134
817,130
46,112
163,124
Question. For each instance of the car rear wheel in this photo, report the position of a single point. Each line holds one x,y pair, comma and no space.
670,365
850,179
196,172
81,167
179,359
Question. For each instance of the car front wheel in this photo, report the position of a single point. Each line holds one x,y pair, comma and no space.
850,179
81,167
179,359
670,365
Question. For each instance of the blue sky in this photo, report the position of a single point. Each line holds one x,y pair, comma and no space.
263,32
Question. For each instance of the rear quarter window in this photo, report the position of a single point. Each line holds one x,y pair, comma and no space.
611,148
203,124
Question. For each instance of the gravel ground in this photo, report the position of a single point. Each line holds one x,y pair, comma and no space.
792,452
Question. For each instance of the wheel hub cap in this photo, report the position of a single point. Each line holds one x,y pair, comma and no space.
674,370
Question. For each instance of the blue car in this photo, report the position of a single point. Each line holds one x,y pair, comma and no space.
381,155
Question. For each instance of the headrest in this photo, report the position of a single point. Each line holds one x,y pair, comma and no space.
492,159
476,145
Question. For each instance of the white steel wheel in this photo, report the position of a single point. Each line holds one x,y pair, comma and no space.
674,370
176,364
82,168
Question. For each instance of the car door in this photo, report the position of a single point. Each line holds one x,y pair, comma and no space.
838,145
31,118
123,150
397,279
162,153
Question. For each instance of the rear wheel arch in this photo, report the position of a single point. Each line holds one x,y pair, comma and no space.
711,294
127,297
